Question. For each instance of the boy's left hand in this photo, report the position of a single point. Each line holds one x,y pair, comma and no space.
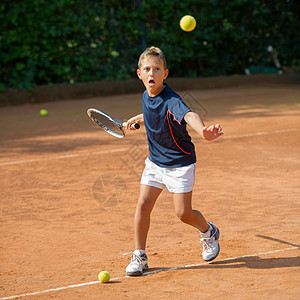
212,132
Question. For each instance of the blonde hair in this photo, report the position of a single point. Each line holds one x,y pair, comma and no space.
152,51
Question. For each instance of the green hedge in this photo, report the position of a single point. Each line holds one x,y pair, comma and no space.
45,42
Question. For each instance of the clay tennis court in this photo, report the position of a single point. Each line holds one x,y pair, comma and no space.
69,191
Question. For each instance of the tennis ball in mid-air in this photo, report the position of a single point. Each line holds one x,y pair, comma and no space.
43,112
104,276
187,23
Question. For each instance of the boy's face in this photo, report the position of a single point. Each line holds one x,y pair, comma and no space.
152,73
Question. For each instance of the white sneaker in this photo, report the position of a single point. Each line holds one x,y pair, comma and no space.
138,264
211,247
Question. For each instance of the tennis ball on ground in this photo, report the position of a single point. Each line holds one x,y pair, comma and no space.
104,276
187,23
43,112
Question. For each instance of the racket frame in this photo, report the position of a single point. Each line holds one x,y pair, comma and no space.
115,121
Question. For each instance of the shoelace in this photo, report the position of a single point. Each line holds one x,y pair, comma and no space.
135,257
206,241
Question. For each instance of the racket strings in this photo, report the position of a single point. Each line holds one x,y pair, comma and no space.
106,123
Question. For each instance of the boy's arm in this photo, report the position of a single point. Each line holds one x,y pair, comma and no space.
210,133
136,119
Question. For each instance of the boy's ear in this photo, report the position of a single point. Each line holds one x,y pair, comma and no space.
138,72
166,73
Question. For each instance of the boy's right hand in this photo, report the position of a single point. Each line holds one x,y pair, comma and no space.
133,122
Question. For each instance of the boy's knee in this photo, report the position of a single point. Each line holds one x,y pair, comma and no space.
144,207
184,216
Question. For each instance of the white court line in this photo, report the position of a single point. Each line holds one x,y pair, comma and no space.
253,134
259,133
218,261
121,150
145,274
60,157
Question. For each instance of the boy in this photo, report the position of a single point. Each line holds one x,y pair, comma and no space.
172,159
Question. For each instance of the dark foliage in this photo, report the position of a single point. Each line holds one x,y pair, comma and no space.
45,42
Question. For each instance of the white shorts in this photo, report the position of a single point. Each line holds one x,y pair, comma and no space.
176,180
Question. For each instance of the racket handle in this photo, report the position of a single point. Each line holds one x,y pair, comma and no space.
135,125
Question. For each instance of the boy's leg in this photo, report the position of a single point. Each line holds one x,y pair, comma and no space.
184,211
147,199
209,232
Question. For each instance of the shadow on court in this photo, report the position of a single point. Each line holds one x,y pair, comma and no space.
255,262
277,240
111,282
251,262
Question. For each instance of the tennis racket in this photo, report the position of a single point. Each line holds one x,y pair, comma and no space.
108,123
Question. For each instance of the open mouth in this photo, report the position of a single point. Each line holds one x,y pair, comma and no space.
151,82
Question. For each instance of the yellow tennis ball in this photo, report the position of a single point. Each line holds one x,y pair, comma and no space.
187,23
43,112
104,276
